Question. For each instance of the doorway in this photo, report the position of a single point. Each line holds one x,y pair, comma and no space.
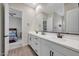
12,27
15,25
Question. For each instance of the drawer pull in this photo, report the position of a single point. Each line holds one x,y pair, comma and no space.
50,52
36,38
36,43
30,38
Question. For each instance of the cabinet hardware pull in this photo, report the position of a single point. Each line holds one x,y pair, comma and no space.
36,43
30,38
50,52
36,38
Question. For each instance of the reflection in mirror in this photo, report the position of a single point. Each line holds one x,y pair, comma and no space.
72,21
44,25
50,23
63,19
57,23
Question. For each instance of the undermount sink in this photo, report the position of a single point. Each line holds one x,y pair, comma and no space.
42,33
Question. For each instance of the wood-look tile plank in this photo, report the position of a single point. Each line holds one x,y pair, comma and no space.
22,51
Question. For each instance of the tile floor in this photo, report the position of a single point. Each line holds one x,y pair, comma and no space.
22,51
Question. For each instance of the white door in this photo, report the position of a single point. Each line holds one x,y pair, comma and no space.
0,28
6,28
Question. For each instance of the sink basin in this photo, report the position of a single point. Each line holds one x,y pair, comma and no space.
42,33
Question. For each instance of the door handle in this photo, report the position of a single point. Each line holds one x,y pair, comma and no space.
6,36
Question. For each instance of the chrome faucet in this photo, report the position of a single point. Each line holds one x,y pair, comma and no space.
59,35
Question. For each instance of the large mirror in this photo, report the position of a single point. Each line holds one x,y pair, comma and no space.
62,18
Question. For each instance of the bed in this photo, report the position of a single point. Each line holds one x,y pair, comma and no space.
12,35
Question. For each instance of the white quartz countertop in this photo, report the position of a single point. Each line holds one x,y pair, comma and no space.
64,41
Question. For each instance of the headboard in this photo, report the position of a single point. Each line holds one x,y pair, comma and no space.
13,29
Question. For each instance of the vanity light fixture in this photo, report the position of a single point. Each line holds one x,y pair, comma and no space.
39,8
34,4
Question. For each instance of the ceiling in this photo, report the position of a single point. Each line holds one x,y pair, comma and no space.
59,8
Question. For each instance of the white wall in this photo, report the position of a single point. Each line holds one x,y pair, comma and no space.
28,19
69,6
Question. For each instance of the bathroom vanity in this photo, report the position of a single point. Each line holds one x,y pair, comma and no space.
50,45
55,43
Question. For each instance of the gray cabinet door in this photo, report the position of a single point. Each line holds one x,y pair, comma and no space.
45,51
57,53
48,51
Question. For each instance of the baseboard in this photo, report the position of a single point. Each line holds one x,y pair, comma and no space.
17,45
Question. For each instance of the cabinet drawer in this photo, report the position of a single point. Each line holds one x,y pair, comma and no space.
35,44
61,49
64,50
36,39
37,50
